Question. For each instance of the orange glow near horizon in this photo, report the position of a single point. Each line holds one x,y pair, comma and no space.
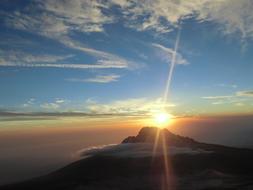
162,119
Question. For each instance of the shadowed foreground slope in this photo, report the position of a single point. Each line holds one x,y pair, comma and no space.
133,165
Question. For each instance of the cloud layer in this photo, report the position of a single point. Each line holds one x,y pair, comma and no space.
104,60
161,15
56,18
239,98
137,150
134,106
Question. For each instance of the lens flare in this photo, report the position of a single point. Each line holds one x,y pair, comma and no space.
162,119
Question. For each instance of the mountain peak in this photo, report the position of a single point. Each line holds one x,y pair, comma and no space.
150,134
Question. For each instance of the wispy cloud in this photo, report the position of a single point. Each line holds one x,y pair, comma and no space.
238,94
167,53
57,18
54,105
227,85
22,59
68,66
134,106
163,15
218,100
237,98
248,93
217,97
239,104
97,79
50,106
60,101
29,103
104,58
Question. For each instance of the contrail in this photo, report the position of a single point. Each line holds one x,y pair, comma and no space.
172,66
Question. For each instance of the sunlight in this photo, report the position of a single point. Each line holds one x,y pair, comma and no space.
162,119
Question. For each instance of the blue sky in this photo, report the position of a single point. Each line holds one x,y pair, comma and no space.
114,56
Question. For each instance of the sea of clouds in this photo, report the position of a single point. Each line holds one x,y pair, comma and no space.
138,150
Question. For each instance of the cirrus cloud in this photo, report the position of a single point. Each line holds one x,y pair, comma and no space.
57,18
167,53
97,79
248,93
132,106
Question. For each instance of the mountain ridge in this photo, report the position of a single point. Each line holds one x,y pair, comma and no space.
151,134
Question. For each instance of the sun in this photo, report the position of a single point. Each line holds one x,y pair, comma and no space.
162,119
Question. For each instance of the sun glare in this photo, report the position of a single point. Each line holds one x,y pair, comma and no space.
162,119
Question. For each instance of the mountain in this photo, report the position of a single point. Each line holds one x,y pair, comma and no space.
149,135
180,164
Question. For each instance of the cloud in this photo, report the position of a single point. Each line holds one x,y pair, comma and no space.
58,18
65,66
56,104
137,150
50,106
233,16
29,103
22,59
55,113
55,20
134,106
218,100
227,85
98,79
245,93
104,58
239,104
60,101
238,94
217,97
238,98
167,53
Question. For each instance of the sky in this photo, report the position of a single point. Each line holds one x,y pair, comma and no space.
113,57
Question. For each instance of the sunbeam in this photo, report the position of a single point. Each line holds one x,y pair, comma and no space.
163,118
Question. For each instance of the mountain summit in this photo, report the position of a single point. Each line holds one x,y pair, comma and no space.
151,134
